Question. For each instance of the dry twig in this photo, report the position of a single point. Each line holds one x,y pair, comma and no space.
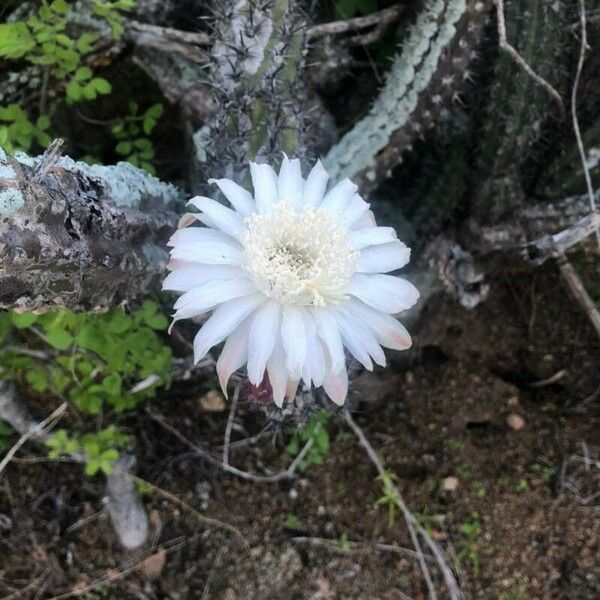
586,171
234,403
413,525
288,473
34,432
519,60
377,19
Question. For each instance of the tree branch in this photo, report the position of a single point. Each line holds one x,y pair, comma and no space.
79,236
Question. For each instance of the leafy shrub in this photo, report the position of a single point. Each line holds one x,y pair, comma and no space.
99,363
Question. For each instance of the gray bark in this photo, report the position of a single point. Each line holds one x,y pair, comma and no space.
82,237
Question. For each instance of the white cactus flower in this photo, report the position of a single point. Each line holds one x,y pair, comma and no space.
292,275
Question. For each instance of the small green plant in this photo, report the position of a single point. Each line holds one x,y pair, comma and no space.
111,11
455,444
522,486
131,144
342,542
516,592
84,86
478,490
100,363
291,522
545,472
316,432
17,132
390,498
471,544
100,448
464,472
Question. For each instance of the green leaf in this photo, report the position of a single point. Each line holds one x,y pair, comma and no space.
43,122
64,40
37,379
101,85
112,384
74,91
15,40
124,148
23,320
60,7
86,41
59,338
82,74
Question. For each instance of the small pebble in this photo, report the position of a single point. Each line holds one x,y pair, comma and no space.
515,421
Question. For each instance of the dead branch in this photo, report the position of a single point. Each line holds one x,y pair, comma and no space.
379,19
579,292
411,521
518,59
586,171
288,473
79,236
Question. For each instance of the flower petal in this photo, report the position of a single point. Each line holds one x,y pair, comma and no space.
204,297
223,218
290,182
223,321
240,198
234,354
371,236
190,276
328,331
278,374
389,332
314,368
191,235
336,386
359,340
264,181
354,210
386,293
208,247
338,197
383,258
263,334
315,186
367,219
293,337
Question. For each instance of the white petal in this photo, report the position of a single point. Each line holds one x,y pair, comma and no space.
389,332
240,198
191,235
290,182
210,247
278,374
338,197
293,336
336,386
383,258
384,292
367,219
315,186
354,210
234,354
264,181
371,236
223,218
359,340
190,276
223,321
263,335
207,296
327,330
315,356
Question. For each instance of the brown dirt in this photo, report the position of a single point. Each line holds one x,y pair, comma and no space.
443,412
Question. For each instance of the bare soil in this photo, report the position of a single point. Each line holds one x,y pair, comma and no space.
488,425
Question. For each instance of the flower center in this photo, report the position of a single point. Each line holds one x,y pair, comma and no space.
298,258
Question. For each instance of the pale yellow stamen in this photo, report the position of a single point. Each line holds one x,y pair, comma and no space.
298,258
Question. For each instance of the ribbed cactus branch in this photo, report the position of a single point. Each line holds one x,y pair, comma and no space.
519,111
425,76
255,73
